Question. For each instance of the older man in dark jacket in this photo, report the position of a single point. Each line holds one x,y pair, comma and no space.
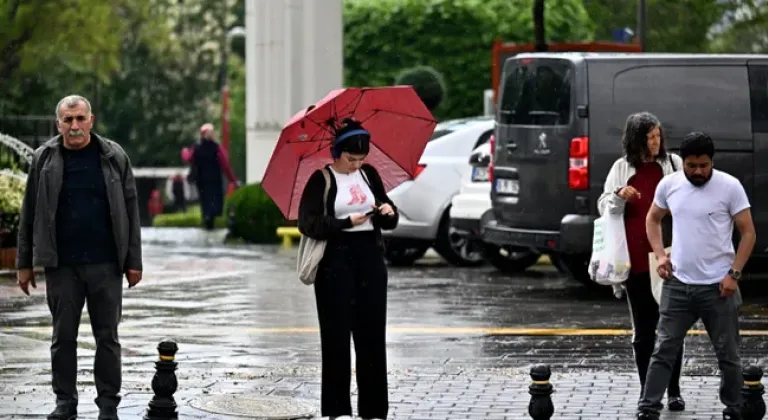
80,221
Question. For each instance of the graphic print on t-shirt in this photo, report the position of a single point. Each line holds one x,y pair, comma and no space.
357,194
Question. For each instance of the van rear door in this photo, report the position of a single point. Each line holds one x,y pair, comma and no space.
541,153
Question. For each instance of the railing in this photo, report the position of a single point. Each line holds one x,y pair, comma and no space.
14,155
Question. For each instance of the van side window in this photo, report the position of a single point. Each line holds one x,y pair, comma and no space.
758,92
536,93
709,98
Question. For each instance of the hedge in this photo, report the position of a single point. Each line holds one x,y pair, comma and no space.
384,37
256,217
190,218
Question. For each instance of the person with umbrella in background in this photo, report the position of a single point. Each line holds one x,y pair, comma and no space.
208,160
351,284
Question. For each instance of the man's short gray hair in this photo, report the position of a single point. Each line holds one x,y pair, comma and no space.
72,101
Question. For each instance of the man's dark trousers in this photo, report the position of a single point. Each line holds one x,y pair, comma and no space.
680,307
68,288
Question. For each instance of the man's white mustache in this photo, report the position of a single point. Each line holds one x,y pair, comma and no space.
76,133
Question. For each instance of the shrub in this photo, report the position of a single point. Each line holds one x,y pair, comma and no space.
190,218
11,197
427,82
256,216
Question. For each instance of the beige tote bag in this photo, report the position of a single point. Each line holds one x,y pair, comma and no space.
311,250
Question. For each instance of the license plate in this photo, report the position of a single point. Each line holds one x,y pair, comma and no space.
479,174
507,186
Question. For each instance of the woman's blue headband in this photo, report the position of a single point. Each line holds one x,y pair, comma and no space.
349,134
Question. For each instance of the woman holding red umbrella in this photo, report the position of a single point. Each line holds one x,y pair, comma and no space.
351,282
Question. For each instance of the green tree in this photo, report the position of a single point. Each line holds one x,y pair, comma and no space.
36,35
382,37
744,29
673,26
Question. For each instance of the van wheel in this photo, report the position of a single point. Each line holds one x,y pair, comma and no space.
575,267
510,259
402,254
455,248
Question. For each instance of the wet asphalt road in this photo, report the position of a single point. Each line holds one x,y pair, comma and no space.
240,310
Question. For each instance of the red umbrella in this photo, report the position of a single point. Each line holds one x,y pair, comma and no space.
399,123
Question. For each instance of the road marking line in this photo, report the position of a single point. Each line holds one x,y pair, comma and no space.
215,331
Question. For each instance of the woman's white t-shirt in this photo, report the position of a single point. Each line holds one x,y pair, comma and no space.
353,196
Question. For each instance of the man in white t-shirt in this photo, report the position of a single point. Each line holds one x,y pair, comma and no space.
702,272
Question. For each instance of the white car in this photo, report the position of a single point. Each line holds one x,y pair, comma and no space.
471,209
424,203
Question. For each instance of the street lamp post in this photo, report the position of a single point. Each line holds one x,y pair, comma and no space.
237,31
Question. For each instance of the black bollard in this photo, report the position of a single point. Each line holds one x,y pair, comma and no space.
540,407
164,384
753,407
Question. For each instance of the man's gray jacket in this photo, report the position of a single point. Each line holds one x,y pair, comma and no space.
37,228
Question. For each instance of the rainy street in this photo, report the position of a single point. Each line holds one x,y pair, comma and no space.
460,341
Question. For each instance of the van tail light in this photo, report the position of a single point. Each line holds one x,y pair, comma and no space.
419,169
578,164
492,141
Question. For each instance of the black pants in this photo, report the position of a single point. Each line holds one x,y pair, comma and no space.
68,288
645,317
351,293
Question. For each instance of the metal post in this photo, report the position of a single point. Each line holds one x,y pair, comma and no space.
642,24
164,384
540,407
753,407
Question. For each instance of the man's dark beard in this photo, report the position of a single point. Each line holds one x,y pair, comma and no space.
698,180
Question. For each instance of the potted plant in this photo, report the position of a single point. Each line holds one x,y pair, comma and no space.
12,187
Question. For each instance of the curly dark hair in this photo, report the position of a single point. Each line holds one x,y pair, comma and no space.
635,138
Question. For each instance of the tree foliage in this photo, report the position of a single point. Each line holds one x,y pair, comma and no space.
36,35
673,26
383,37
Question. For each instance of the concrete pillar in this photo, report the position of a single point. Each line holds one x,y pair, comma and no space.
294,57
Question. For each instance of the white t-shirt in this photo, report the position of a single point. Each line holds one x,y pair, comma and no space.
353,196
702,224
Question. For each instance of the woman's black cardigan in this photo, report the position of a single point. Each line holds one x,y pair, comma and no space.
313,224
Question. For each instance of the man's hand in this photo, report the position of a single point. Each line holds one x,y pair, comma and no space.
728,286
25,277
665,267
133,276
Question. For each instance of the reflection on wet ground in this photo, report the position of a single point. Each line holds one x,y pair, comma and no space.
240,310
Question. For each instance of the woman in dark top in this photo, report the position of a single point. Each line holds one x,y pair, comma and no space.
629,190
351,282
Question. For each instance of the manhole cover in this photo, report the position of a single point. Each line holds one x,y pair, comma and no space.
255,406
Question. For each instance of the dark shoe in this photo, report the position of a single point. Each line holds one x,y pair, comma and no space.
108,414
675,403
63,412
645,415
732,414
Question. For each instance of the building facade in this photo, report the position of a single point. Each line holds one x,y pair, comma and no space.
294,57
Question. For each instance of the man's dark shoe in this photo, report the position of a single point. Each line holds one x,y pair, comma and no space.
63,412
676,403
108,414
645,415
732,414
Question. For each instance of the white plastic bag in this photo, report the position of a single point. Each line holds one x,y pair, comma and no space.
656,281
609,264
